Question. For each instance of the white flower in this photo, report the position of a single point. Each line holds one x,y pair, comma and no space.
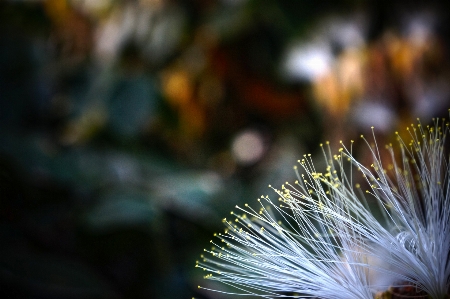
322,239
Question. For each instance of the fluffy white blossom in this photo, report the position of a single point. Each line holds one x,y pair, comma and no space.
331,232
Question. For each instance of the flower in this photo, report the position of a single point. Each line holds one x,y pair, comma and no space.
323,239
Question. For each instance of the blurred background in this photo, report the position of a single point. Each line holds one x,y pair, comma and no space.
129,129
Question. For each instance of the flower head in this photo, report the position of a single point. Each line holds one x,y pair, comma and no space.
322,236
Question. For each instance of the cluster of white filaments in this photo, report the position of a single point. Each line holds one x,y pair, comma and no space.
319,238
